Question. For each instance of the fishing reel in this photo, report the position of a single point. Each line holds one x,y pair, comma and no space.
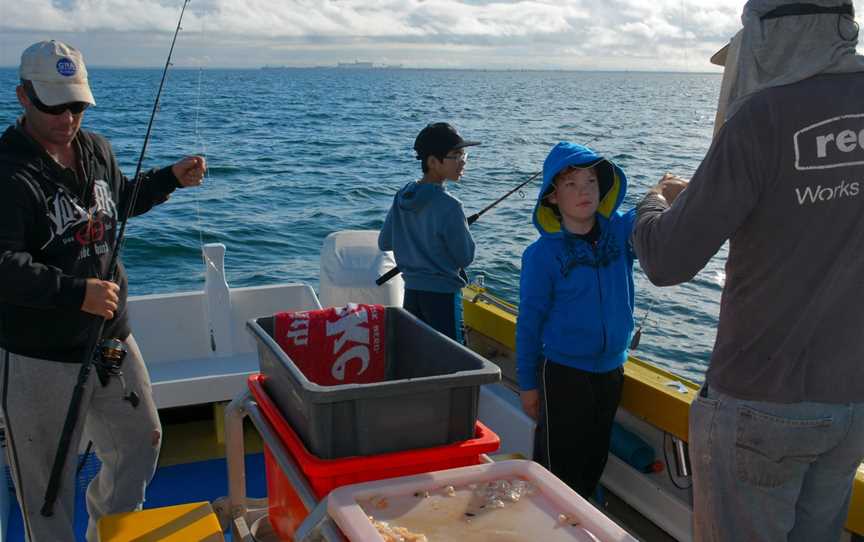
108,360
111,354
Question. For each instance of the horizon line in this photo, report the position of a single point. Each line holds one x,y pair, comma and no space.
390,67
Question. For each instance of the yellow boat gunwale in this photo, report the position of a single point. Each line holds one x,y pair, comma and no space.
650,393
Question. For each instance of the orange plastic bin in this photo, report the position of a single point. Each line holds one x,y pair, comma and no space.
287,511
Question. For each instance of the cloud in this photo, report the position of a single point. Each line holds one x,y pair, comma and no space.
602,34
87,15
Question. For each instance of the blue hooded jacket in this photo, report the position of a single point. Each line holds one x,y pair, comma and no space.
427,231
575,298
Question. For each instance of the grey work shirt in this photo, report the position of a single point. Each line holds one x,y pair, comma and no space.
783,183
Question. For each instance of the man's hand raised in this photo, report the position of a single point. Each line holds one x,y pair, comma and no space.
669,187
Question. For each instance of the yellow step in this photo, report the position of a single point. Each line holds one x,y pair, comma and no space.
182,523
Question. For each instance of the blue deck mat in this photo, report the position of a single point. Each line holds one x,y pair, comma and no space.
177,484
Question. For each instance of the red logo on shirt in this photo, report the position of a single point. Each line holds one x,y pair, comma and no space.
92,231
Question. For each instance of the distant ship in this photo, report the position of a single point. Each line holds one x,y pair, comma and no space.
355,65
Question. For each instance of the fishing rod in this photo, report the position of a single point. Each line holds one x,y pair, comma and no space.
110,347
471,219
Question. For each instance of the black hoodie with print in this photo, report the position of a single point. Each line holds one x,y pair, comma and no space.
57,230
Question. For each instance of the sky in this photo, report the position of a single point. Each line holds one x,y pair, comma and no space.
645,35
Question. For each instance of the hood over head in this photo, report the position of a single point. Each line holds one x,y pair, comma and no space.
786,41
613,183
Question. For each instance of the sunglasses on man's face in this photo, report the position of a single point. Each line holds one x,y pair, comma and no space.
76,108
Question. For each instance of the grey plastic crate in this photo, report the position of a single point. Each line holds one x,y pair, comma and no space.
428,398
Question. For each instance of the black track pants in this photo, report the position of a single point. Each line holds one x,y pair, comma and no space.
576,413
441,311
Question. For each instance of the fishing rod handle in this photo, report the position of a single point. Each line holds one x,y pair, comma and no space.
65,441
72,414
387,276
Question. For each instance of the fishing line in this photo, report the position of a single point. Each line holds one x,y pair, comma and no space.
87,452
684,37
201,144
637,335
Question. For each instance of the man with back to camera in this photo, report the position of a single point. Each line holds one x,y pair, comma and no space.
62,195
777,431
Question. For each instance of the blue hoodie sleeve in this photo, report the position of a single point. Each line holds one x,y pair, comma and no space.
458,240
385,236
535,297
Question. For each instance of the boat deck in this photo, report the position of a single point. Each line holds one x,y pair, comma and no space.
191,468
651,395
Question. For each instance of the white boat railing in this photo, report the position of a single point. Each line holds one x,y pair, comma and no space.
195,344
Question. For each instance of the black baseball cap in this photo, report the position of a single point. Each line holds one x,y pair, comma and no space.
439,138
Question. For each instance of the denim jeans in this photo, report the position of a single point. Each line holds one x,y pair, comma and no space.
772,471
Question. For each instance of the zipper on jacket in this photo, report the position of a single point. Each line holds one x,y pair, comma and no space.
600,293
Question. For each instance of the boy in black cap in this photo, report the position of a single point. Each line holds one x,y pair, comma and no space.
428,233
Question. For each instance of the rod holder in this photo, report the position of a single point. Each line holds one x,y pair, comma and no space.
682,458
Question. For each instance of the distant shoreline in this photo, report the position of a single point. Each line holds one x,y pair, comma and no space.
386,68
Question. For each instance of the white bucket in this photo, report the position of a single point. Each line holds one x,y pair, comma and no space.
350,263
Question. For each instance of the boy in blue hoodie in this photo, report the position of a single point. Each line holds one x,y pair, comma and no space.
576,313
427,231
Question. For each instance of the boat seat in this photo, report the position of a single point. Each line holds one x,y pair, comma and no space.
200,381
180,523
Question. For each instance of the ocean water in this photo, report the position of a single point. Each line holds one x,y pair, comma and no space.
296,154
